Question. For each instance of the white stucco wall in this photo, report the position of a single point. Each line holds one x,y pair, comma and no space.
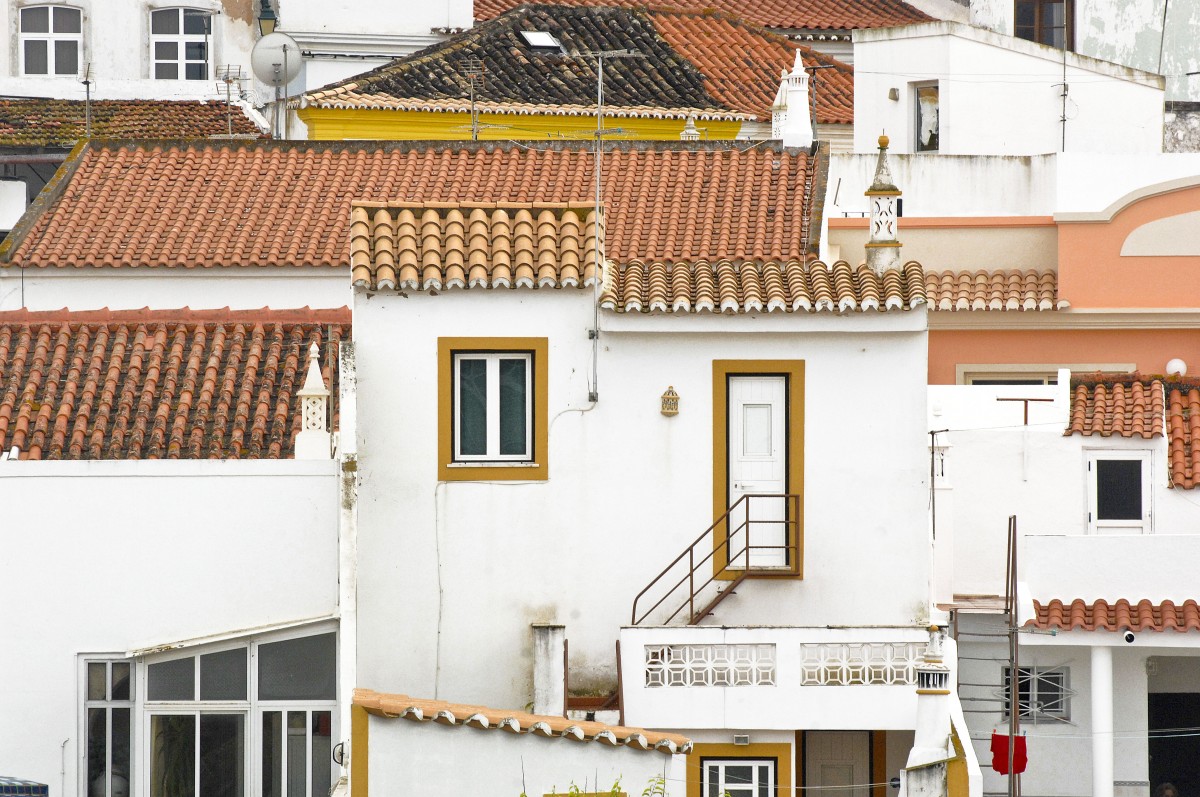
996,467
1082,188
108,557
998,95
451,575
133,288
409,757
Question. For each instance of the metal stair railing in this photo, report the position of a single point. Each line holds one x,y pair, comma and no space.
727,558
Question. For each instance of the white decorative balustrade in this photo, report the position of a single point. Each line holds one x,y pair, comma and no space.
710,665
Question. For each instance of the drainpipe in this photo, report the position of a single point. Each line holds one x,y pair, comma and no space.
347,458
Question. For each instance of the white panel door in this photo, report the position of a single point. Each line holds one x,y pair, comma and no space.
758,465
839,761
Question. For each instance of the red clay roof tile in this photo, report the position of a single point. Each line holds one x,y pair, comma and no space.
1010,289
49,122
785,14
1119,615
160,384
213,204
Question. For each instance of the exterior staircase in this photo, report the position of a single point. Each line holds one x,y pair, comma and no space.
729,552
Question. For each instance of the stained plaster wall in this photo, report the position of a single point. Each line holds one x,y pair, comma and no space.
1127,32
108,557
451,575
116,38
999,95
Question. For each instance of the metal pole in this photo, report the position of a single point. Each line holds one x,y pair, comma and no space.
595,396
1014,682
287,120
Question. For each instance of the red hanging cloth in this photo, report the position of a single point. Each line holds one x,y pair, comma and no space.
1000,753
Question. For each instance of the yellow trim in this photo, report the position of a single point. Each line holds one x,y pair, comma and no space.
781,752
879,763
360,726
541,394
957,776
794,371
332,124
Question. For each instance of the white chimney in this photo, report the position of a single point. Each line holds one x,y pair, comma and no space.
313,440
883,246
549,669
791,119
931,740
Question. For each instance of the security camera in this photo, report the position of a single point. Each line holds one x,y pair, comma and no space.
1129,636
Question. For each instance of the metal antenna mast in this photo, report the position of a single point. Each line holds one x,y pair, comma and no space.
229,75
87,102
473,70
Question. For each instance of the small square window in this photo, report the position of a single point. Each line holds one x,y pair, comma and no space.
1042,693
51,40
738,777
1044,21
492,409
179,43
1118,492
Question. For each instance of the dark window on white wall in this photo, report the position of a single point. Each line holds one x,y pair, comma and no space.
1045,22
928,132
1042,693
1118,492
51,40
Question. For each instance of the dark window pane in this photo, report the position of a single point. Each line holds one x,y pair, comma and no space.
739,774
196,71
97,749
121,673
172,680
166,71
196,51
927,119
472,406
322,753
1118,489
195,23
764,783
67,20
513,402
66,58
223,675
298,669
122,739
97,680
37,58
166,51
35,20
272,754
172,755
165,22
222,751
296,753
714,782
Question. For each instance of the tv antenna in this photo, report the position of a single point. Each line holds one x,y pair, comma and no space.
86,80
475,73
229,75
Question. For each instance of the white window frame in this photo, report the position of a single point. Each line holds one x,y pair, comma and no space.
493,358
108,702
51,38
967,373
251,709
1096,525
723,763
1057,705
181,41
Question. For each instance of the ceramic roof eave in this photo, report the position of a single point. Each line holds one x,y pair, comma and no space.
375,102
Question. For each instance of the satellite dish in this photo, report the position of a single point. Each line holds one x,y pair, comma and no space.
275,59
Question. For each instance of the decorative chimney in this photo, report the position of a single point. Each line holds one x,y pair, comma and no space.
313,440
931,741
791,119
689,132
883,247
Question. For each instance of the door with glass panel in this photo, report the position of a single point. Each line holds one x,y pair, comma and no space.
757,451
109,713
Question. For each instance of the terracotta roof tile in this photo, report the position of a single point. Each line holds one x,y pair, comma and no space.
1130,405
1124,405
159,384
694,64
520,722
50,123
786,14
1010,289
211,204
426,248
1118,615
750,287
